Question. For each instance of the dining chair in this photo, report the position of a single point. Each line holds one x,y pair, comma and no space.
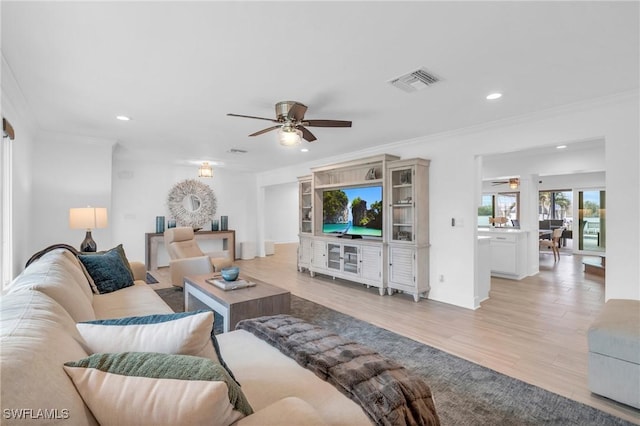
553,243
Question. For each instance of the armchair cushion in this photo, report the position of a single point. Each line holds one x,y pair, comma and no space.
183,249
189,266
220,262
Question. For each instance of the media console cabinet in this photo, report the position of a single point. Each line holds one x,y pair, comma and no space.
398,260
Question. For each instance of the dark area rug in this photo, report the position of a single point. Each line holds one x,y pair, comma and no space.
465,393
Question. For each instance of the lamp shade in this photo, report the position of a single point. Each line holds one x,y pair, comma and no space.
88,218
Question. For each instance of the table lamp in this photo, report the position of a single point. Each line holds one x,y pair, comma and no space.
88,218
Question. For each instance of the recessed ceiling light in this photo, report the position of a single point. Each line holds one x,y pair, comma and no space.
123,118
494,96
561,147
304,149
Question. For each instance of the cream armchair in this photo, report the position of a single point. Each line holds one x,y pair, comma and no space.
187,258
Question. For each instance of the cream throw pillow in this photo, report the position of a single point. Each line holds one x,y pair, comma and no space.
187,333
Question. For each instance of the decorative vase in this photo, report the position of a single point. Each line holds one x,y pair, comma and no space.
214,225
224,223
172,223
159,224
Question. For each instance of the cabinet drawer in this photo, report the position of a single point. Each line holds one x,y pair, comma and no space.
504,238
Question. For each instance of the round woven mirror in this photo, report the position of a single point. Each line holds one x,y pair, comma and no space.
192,203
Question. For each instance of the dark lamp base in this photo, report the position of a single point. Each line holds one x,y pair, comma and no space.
88,244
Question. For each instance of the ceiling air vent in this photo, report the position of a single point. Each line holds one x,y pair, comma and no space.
237,151
414,81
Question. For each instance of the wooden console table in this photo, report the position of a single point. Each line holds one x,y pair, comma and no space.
153,239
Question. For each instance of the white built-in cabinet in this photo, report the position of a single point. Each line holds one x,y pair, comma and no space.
305,228
508,252
359,261
408,225
304,253
396,262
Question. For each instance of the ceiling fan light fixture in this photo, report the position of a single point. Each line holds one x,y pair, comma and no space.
289,136
513,183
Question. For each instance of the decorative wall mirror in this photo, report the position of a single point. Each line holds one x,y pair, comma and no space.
192,203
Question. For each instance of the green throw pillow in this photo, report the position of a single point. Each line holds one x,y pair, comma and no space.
159,389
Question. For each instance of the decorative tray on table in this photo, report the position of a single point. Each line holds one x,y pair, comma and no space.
230,285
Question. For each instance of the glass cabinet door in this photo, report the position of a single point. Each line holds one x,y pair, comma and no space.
402,204
333,256
350,258
305,207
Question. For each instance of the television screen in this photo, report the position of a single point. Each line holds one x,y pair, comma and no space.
353,211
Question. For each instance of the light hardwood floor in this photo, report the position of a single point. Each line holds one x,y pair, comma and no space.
533,329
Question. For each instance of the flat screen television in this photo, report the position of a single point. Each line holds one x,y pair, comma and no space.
353,211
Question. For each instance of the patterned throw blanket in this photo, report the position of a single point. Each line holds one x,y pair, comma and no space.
384,389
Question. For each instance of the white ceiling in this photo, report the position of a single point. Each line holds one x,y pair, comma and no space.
178,68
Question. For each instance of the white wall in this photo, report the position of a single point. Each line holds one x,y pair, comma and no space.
140,193
581,180
281,206
454,186
579,158
69,171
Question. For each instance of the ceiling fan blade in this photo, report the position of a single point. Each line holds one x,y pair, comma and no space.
327,123
251,116
306,134
296,112
268,129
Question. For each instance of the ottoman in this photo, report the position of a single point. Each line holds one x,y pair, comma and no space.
614,352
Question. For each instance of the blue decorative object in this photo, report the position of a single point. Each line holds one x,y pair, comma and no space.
224,223
172,223
214,225
159,224
231,273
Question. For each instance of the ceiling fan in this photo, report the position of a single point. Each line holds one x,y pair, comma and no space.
292,124
513,182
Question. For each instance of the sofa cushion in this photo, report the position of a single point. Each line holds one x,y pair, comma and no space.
108,270
123,388
186,333
283,378
37,337
137,300
53,276
287,411
79,272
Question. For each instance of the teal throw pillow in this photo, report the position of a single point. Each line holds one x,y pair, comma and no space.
108,271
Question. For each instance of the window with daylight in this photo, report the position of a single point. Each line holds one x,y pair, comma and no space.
502,204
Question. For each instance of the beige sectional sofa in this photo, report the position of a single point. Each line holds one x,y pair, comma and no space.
38,335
